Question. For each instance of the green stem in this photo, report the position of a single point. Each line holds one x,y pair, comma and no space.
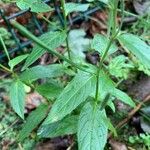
100,67
42,44
5,68
65,27
122,12
4,46
114,17
114,34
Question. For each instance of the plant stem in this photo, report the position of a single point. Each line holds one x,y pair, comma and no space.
100,67
65,27
114,16
114,34
5,68
46,47
122,12
4,46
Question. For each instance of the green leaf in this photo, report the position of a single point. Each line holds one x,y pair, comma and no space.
138,47
111,104
106,85
40,7
33,120
12,63
92,130
35,5
120,67
52,39
72,96
71,7
17,97
24,4
63,127
105,101
100,42
123,97
39,72
110,125
49,90
143,68
104,1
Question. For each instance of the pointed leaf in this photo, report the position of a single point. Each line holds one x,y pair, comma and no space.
33,121
63,127
71,7
12,63
111,105
34,5
110,125
40,7
92,130
100,42
123,97
39,72
138,47
104,1
106,85
49,90
17,97
72,96
52,39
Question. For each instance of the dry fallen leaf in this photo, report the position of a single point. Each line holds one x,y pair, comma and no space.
33,100
142,7
115,145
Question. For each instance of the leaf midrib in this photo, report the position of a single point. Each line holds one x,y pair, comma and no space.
74,94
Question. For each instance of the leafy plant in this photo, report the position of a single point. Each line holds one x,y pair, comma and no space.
120,67
80,106
9,128
6,37
141,139
35,5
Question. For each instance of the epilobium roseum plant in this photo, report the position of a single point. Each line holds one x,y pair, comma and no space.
79,106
